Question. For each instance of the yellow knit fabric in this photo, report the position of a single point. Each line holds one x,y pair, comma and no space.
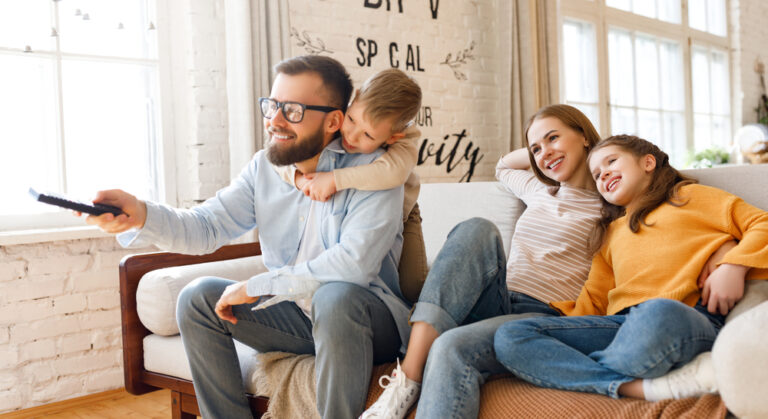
664,259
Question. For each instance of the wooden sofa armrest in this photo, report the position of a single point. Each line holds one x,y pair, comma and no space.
132,268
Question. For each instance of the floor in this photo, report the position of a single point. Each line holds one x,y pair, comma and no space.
155,405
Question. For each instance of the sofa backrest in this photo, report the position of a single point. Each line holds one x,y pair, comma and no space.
750,182
443,205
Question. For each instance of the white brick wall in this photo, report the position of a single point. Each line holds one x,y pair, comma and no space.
59,308
59,321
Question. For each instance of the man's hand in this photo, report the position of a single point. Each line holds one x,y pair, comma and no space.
233,295
134,212
724,288
320,187
713,260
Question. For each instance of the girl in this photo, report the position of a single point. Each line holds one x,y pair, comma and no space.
469,282
645,309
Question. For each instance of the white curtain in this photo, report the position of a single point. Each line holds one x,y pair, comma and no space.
257,38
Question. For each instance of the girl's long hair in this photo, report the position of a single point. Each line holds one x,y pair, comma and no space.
665,185
569,116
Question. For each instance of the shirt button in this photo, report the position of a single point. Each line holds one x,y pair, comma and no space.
301,218
290,289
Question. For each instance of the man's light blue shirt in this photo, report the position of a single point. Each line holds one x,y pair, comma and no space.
361,231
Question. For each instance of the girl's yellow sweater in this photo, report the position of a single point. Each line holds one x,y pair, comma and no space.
664,258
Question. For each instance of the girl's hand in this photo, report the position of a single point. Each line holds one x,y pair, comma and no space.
724,288
713,260
321,186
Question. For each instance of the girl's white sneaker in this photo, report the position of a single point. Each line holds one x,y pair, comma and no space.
400,393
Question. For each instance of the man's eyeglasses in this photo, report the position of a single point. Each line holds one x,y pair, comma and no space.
292,111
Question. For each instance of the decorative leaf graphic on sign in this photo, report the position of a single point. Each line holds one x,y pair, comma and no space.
303,39
460,59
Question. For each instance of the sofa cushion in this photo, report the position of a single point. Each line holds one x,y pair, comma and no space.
166,355
740,361
158,290
443,205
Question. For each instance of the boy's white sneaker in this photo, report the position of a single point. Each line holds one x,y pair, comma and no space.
400,393
693,379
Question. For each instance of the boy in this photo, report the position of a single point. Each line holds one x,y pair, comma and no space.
380,115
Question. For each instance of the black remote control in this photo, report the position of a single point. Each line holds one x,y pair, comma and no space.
61,201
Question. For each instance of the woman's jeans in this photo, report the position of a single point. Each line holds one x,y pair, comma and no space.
463,295
597,354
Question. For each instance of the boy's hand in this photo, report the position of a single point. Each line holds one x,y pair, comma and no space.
300,181
724,288
713,260
320,187
134,212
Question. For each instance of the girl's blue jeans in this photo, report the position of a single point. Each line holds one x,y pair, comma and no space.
597,354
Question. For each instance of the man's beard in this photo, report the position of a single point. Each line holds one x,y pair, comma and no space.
297,151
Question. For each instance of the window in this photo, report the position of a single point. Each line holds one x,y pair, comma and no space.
660,72
79,108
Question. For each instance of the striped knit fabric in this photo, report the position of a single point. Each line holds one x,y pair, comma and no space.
549,257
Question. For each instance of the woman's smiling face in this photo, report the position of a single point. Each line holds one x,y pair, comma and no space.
559,151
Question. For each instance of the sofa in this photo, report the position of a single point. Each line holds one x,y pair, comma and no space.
154,356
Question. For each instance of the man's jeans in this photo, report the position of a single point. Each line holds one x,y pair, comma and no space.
351,329
597,354
466,286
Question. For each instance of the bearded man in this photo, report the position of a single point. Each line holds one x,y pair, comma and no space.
350,244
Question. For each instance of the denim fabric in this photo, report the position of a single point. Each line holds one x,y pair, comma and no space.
597,354
467,280
464,294
343,315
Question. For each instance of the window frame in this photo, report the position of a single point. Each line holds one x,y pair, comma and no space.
603,17
30,228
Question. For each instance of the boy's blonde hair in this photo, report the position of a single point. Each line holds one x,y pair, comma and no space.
390,94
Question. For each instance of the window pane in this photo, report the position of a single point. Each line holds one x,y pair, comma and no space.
702,138
700,73
644,7
620,4
25,23
580,62
716,17
590,111
647,71
109,127
721,131
107,27
649,126
721,102
28,145
673,125
671,69
669,10
622,121
697,14
621,67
